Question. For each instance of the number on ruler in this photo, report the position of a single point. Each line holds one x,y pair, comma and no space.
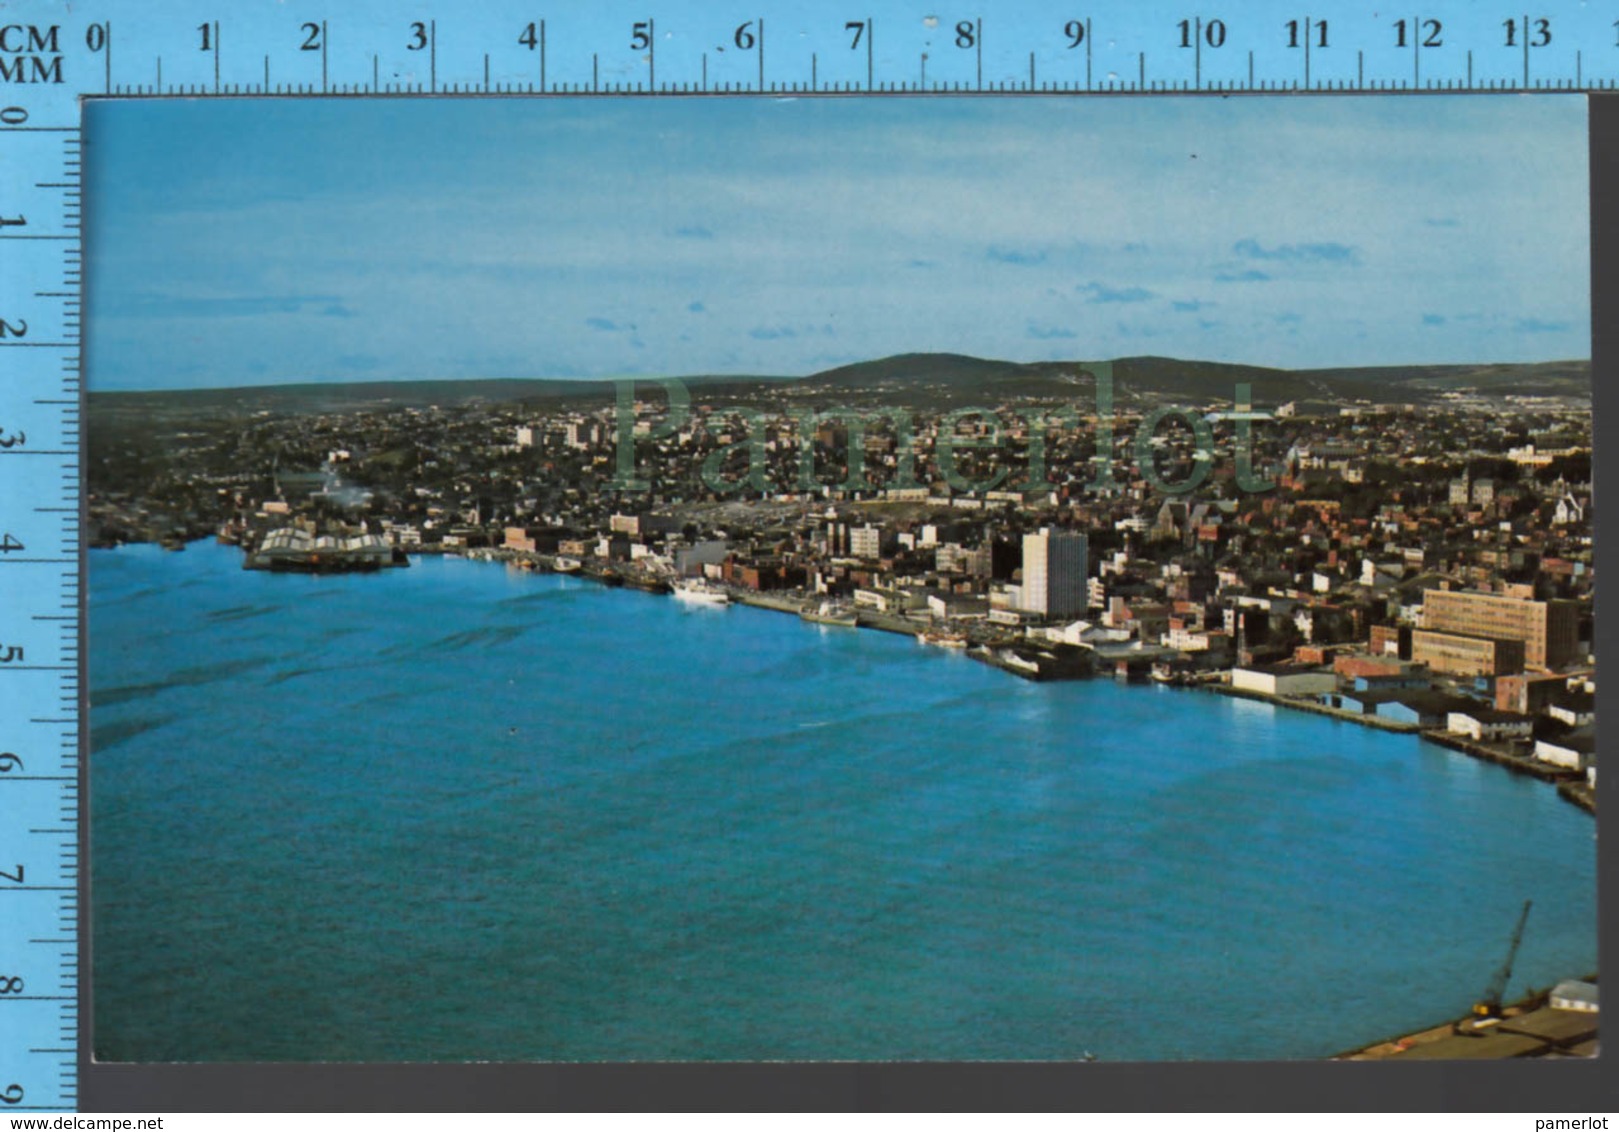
641,35
530,37
418,37
1429,31
207,32
9,543
95,36
1075,31
4,223
744,37
9,653
7,330
311,38
9,762
859,27
11,984
12,1095
17,879
13,441
965,36
1539,35
1213,33
13,116
1319,27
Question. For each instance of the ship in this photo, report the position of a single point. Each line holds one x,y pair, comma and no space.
942,639
292,550
567,565
651,583
829,614
696,591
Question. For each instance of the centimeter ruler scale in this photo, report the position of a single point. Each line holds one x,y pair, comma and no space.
54,55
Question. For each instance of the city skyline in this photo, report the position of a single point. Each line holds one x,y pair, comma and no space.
240,244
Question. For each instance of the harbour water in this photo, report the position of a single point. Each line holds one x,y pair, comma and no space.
461,812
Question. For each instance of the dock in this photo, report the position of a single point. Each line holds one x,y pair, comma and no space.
1527,1028
1313,707
1519,764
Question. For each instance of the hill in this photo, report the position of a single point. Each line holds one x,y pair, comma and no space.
909,381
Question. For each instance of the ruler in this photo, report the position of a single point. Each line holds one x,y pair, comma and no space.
40,768
53,54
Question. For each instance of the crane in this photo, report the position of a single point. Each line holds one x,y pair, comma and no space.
1490,1005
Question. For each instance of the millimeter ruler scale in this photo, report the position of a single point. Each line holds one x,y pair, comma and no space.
53,56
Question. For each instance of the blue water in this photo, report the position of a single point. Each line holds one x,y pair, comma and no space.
458,812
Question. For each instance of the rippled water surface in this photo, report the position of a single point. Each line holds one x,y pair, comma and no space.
459,812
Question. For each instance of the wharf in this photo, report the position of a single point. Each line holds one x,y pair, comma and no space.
1519,764
1527,1028
983,652
1581,794
1570,784
1314,708
864,618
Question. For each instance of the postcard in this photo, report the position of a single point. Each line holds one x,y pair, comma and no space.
840,579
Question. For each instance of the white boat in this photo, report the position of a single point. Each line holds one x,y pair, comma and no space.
696,591
1013,660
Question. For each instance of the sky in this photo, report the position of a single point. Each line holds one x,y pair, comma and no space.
241,242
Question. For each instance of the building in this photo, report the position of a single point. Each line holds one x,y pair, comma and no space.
866,542
1549,630
691,560
1284,680
1574,751
1573,707
1572,994
1481,724
1391,640
1419,709
1354,666
1527,694
1054,573
874,599
1455,654
1360,701
950,558
966,606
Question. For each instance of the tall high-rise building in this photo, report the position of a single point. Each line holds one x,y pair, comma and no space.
1054,573
1549,630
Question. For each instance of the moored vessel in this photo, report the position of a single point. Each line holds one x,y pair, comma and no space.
696,591
828,613
650,583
